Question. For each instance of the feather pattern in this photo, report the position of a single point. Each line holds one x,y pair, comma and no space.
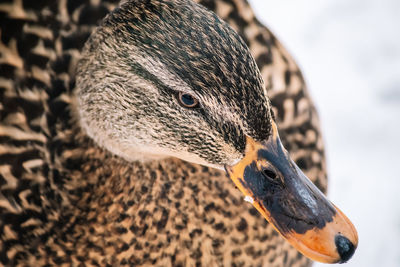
65,200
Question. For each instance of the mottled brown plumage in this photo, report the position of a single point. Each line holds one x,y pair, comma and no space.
66,200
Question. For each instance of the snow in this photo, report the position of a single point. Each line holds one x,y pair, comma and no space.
349,52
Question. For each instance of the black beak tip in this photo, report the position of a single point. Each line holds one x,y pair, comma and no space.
344,247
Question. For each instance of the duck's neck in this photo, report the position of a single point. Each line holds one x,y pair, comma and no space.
137,208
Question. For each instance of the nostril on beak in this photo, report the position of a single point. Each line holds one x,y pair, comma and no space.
270,174
344,247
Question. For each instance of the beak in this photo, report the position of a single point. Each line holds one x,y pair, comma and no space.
296,208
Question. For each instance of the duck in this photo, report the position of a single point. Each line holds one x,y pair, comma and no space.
154,133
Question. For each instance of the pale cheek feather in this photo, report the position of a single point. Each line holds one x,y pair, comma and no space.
143,138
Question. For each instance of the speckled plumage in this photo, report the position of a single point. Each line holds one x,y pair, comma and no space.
65,200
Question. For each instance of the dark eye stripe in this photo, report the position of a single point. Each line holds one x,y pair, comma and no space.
187,100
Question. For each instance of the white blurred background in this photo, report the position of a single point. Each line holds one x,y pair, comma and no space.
349,52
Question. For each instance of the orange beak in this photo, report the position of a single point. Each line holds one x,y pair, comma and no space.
296,208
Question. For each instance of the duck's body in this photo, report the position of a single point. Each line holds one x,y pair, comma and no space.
66,200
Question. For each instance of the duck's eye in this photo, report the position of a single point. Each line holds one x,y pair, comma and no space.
187,100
